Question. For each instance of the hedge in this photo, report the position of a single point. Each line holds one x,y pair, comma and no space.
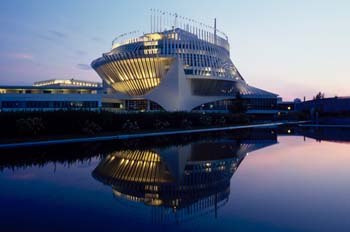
41,123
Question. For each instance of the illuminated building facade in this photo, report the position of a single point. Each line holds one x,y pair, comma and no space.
181,65
52,95
70,82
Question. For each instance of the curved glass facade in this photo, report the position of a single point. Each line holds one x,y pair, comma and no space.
131,74
179,66
136,66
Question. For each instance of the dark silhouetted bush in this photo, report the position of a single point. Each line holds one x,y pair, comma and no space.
60,123
29,126
91,128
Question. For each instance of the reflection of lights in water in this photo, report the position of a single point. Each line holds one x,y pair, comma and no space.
194,183
201,182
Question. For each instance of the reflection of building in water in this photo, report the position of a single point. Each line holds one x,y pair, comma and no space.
319,133
331,134
178,182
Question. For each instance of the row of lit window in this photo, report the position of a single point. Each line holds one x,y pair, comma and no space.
49,104
139,155
67,82
199,56
44,91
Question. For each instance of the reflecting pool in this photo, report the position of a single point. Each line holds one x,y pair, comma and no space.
272,179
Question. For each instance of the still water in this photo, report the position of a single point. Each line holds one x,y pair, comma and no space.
273,179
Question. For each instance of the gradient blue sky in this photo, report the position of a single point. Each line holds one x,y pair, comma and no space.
294,48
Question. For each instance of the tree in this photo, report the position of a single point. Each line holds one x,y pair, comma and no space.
319,96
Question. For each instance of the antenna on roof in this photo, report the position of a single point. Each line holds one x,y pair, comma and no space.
175,22
214,30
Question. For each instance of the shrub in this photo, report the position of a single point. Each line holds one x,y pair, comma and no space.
30,126
130,126
91,128
221,121
205,120
187,124
158,124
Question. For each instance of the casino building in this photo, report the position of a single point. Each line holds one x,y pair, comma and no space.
181,65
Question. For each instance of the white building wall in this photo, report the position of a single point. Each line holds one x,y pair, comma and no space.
174,91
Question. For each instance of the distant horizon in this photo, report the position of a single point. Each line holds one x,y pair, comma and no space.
293,49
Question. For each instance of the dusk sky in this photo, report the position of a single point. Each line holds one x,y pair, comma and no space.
294,48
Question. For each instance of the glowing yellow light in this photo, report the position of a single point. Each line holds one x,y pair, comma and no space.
155,202
135,76
289,131
289,108
155,36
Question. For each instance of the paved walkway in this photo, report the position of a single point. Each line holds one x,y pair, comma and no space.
140,135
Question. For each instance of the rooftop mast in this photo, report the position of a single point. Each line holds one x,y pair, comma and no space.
214,30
